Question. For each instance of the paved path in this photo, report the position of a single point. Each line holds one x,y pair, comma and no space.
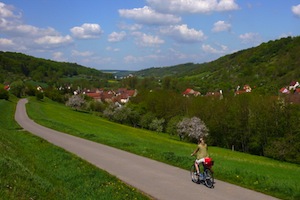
156,179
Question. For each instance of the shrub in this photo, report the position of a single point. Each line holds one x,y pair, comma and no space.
4,94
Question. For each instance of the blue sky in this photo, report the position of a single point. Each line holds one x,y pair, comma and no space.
139,34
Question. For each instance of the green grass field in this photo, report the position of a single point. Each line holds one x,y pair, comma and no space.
31,168
275,178
272,177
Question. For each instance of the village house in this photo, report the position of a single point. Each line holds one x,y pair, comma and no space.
218,94
246,89
122,95
7,87
291,93
190,92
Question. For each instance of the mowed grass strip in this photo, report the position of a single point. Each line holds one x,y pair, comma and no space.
32,168
272,177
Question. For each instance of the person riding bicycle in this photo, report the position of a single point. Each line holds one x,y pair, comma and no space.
202,153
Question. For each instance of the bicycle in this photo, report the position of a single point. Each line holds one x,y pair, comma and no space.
206,177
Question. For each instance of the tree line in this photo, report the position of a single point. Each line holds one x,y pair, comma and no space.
250,123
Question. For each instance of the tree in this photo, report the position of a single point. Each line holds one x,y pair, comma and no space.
109,111
171,128
157,125
3,93
146,120
121,114
39,95
193,127
76,102
17,88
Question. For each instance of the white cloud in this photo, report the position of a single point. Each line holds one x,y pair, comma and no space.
112,49
82,54
147,15
29,31
87,31
209,49
6,11
116,37
12,25
131,59
53,41
193,6
296,10
147,40
220,26
58,56
134,27
25,37
250,38
6,43
182,33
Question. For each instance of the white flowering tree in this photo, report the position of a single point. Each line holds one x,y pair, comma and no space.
75,101
194,128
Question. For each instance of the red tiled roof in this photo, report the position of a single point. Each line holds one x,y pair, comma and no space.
93,94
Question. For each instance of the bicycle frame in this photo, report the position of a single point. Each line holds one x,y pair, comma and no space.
206,177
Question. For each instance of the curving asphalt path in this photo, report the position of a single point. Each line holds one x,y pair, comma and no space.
158,180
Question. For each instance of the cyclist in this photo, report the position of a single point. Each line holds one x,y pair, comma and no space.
202,153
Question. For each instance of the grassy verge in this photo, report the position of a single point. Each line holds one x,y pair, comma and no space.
31,168
275,178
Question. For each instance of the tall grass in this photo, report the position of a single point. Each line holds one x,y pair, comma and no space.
272,177
31,168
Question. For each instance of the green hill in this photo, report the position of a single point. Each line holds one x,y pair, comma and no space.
14,66
267,67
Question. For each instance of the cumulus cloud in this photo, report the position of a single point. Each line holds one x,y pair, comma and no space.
25,37
250,38
112,49
147,40
147,15
116,37
11,24
182,33
134,27
6,11
6,43
209,49
24,30
296,10
220,26
82,53
53,41
193,6
87,31
131,59
58,56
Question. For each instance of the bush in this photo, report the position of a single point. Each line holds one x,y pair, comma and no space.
4,94
39,95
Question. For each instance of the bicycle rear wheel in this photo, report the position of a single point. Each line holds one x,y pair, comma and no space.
209,178
194,175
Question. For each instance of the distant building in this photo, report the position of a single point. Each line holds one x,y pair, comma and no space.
246,89
122,95
190,92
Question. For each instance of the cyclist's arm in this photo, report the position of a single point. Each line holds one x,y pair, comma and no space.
195,151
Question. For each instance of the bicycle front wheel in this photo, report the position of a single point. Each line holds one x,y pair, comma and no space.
194,175
209,178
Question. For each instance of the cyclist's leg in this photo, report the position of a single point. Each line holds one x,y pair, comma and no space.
200,161
197,166
197,161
